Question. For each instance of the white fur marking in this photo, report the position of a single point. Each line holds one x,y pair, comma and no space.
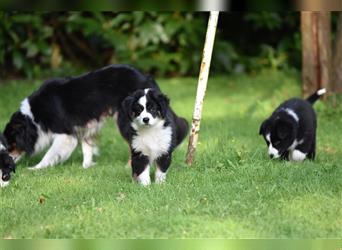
321,91
268,138
152,141
2,147
62,147
160,176
3,183
295,144
144,178
25,108
271,150
293,114
297,155
43,141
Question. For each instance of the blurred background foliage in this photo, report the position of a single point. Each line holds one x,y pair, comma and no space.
39,44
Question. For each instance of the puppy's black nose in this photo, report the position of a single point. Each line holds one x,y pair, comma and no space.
146,120
6,177
271,155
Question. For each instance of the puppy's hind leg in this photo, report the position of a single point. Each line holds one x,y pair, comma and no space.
89,149
62,147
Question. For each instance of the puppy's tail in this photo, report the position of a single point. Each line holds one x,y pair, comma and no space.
314,97
182,129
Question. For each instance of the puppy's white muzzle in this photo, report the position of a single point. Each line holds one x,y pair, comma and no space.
273,152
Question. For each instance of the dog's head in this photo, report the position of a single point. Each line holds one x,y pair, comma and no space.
146,107
7,164
279,132
21,135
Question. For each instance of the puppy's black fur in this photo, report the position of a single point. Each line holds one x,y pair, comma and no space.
60,106
290,132
155,141
7,164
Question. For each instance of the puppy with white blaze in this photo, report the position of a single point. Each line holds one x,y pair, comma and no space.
290,132
7,164
152,130
63,111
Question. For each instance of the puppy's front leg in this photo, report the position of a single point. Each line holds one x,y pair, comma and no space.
163,163
285,156
141,168
62,147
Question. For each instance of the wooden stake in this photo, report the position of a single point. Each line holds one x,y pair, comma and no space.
202,85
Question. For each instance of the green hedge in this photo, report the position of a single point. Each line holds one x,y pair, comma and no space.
167,43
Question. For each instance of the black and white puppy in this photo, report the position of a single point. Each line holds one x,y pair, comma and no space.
152,130
63,111
7,164
290,132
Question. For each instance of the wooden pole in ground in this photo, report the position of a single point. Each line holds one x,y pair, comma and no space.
202,85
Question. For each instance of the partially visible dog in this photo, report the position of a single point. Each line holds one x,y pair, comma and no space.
152,130
7,164
290,132
63,111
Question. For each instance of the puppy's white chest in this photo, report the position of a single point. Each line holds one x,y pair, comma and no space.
152,141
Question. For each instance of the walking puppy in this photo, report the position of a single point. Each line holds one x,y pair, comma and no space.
7,164
290,132
152,130
63,111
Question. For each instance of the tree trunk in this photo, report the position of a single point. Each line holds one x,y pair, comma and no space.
316,51
337,58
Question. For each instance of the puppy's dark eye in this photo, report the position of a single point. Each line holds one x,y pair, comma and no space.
138,108
276,143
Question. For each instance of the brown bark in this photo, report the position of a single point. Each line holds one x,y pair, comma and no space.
337,58
316,51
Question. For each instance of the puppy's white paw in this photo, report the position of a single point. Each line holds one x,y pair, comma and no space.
144,182
37,167
144,178
160,176
297,155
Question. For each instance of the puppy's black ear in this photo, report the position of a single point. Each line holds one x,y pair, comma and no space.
27,135
10,163
21,132
263,127
127,105
162,101
283,129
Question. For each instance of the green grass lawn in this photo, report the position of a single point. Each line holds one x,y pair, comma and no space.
233,190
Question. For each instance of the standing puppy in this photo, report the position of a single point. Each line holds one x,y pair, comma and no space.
67,110
7,164
152,130
290,132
